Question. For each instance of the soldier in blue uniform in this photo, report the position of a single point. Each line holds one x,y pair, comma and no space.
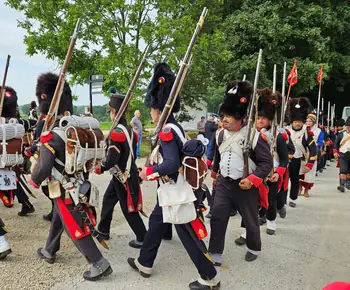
120,161
170,149
269,108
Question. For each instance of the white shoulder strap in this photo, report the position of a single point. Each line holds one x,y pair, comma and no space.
178,132
131,153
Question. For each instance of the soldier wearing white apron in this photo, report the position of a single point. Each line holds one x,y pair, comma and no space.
307,180
303,141
232,190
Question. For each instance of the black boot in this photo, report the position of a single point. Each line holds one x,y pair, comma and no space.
341,187
282,212
135,244
46,256
249,257
240,241
262,220
137,266
27,208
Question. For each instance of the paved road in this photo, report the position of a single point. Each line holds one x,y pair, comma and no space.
309,250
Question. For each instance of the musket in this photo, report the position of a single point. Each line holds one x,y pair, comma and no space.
51,116
178,84
128,94
274,124
2,92
250,121
283,94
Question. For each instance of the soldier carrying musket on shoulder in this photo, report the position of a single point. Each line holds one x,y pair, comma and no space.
233,189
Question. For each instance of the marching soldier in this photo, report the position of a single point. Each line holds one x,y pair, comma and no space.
307,180
5,248
342,153
282,195
66,215
232,190
46,85
303,141
269,107
9,112
124,186
170,149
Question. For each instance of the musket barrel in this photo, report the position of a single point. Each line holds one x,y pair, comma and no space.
283,93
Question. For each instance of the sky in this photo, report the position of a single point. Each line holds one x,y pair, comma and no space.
24,70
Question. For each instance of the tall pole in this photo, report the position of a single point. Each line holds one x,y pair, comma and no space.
322,111
332,116
328,115
90,90
318,102
283,93
274,79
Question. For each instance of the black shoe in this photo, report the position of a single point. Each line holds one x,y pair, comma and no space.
90,277
341,188
167,238
270,232
321,170
135,244
282,212
262,220
45,257
198,286
48,217
292,204
27,208
131,262
250,257
233,213
4,254
240,241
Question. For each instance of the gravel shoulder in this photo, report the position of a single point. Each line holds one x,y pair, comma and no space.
309,250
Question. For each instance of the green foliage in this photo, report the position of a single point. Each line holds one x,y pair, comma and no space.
114,34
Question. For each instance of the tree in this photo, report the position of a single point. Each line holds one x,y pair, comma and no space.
115,32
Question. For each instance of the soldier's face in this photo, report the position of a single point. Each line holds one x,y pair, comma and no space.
348,128
297,125
112,114
309,123
262,122
155,115
231,124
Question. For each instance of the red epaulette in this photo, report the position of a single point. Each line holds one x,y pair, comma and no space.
46,137
118,135
166,135
264,137
285,136
136,137
288,132
311,133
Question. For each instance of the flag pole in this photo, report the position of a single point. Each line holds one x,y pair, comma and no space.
328,115
322,110
332,116
319,96
283,93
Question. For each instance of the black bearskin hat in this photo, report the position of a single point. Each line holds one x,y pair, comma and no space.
45,90
33,105
159,88
340,123
10,103
298,109
237,98
347,123
269,103
115,99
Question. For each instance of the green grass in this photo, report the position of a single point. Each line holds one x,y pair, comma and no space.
105,125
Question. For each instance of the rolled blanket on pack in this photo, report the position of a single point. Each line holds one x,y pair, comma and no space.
11,131
80,122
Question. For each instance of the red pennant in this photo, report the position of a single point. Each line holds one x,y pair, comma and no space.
320,75
293,75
